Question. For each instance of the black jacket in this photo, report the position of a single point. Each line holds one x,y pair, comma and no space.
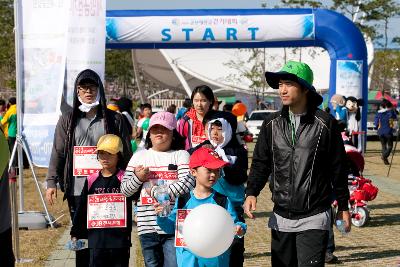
305,176
61,160
235,174
102,238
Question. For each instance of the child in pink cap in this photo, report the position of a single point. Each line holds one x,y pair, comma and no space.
162,162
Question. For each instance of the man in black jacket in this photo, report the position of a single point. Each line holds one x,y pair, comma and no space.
83,125
301,148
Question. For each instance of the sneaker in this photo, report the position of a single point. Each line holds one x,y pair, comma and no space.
330,258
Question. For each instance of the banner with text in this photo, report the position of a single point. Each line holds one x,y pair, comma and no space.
55,34
349,78
43,29
218,28
86,37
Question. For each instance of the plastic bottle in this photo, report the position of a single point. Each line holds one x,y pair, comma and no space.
75,245
162,196
341,226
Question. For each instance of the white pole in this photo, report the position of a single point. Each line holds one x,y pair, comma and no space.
177,72
19,148
19,85
137,76
157,93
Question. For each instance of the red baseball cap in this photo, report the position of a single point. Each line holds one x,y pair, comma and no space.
206,157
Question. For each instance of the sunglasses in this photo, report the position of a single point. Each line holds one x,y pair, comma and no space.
87,88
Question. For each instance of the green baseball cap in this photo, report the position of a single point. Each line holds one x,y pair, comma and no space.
295,71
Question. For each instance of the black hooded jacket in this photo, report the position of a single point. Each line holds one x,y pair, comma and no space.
304,175
235,174
60,167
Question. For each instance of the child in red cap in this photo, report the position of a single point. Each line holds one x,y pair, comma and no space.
205,165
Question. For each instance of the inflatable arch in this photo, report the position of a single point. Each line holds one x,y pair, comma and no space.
171,29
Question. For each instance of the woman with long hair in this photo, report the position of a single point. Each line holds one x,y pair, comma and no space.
191,125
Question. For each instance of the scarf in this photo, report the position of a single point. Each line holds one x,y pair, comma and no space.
197,125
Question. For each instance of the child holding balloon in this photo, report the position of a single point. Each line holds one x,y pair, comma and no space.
220,131
205,165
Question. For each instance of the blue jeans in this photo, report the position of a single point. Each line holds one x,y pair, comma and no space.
158,250
331,241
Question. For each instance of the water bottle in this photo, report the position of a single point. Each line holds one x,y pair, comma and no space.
76,244
162,196
341,226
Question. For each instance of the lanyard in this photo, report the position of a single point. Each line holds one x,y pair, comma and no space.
292,120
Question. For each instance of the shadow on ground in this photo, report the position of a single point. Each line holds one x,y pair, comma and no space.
257,255
369,255
347,248
384,220
262,214
384,206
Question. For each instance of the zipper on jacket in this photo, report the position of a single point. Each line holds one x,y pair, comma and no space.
291,180
273,162
294,138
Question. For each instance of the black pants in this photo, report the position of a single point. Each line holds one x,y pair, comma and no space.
82,256
6,252
303,249
236,257
109,257
387,144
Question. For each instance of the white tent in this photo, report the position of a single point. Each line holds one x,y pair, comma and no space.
159,66
183,69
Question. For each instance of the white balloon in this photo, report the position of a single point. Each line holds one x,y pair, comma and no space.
208,230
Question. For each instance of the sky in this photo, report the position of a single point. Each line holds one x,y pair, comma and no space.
394,30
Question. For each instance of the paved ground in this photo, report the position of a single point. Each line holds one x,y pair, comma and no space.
376,244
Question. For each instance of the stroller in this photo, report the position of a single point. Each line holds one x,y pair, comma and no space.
361,189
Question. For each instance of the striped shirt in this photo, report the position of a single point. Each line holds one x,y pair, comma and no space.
171,166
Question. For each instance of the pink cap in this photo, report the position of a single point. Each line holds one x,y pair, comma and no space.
163,118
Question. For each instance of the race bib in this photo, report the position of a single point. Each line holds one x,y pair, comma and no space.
85,161
181,215
168,177
106,211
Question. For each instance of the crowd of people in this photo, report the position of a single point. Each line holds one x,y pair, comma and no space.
199,157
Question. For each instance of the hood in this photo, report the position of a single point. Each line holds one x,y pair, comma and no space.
232,122
89,74
101,108
229,117
226,132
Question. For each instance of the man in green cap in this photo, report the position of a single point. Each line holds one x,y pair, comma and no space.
301,148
